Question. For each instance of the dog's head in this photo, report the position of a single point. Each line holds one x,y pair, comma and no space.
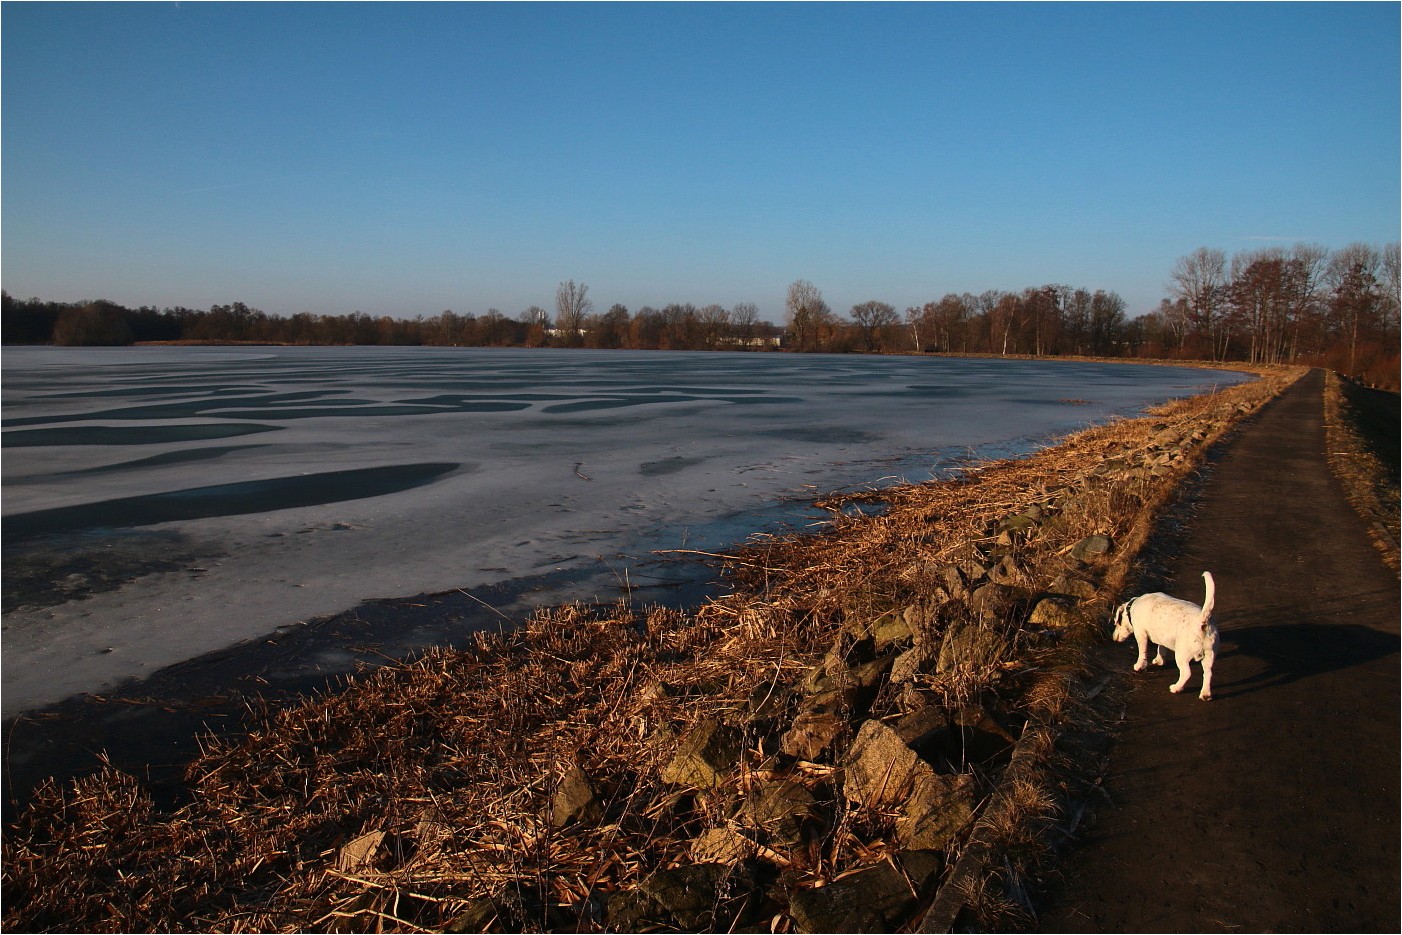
1124,629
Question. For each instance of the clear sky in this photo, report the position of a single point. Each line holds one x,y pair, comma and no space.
409,158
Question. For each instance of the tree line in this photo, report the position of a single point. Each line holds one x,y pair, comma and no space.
1303,304
677,326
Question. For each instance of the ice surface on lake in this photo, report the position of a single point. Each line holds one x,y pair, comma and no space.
251,488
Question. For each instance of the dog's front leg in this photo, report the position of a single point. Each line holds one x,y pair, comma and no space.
1158,655
1142,639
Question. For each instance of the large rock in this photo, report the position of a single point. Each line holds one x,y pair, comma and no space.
704,897
938,808
721,846
1092,549
812,734
880,767
894,626
1005,572
912,662
953,580
994,601
879,899
1072,587
969,645
575,800
1056,612
783,810
705,756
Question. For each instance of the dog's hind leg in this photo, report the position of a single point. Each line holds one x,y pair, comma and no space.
1208,657
1158,655
1185,671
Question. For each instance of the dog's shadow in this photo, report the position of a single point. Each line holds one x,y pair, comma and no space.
1295,643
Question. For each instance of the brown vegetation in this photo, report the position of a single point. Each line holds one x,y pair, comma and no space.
431,795
1362,426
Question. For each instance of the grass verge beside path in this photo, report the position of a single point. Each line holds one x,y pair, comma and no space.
1362,432
632,769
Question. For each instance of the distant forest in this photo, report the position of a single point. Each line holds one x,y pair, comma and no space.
1304,305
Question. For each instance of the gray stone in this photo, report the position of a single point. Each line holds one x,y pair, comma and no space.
626,911
938,808
1091,548
575,800
812,734
918,727
993,601
953,580
1072,586
701,897
912,662
879,899
783,810
880,767
969,645
721,846
1005,572
705,756
1056,612
891,627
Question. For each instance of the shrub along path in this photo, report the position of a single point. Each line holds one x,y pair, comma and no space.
1273,807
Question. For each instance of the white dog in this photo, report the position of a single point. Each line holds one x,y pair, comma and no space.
1177,625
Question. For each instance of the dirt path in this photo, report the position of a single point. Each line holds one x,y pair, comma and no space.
1274,807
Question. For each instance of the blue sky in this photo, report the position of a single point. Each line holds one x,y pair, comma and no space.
408,158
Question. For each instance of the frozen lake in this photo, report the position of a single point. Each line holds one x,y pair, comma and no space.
160,503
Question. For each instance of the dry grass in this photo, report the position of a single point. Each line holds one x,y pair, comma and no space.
419,797
1371,487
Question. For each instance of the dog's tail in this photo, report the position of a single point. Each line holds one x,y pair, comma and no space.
1209,600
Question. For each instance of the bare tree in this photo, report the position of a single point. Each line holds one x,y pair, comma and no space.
807,315
1357,297
1309,267
1392,280
915,320
1200,280
950,319
743,318
714,320
572,305
874,318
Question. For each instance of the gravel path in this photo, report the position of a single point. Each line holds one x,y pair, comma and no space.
1274,807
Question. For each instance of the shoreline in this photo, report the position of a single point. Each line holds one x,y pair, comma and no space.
776,582
152,726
